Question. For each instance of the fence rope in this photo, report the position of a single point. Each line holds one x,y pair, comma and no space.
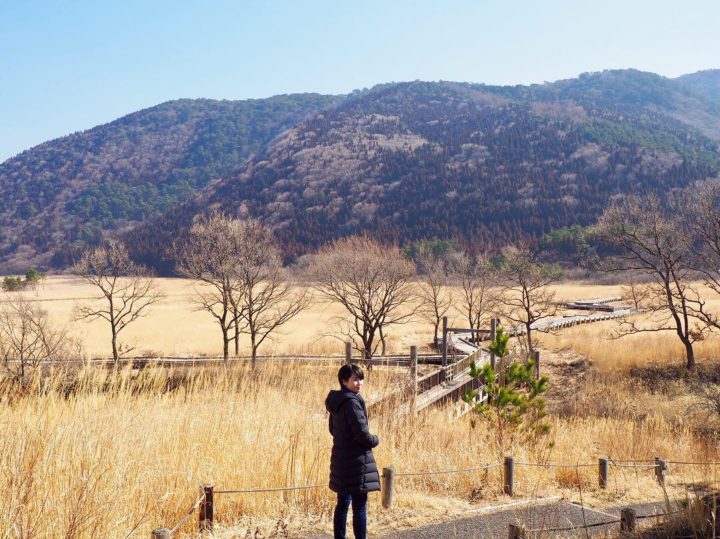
636,466
616,463
274,489
461,470
187,515
629,461
555,465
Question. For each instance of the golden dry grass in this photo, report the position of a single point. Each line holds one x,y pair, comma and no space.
124,453
175,327
117,454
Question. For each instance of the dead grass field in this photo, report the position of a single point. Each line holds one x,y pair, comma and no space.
175,327
116,454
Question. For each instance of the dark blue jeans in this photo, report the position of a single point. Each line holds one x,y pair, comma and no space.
359,507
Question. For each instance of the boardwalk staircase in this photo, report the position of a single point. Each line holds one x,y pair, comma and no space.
451,380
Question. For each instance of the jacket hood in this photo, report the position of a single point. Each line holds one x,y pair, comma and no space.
336,398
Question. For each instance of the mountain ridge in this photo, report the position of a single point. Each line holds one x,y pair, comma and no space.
414,160
316,167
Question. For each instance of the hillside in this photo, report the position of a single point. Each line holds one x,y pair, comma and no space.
486,165
67,193
704,83
482,164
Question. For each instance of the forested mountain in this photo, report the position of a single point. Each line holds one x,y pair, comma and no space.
65,194
481,164
703,83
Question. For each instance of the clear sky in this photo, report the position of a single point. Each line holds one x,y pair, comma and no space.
68,65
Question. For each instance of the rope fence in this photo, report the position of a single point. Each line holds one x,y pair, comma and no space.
275,489
443,472
206,501
554,465
635,466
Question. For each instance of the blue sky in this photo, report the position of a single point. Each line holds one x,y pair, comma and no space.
69,65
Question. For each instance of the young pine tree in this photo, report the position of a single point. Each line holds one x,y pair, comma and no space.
514,404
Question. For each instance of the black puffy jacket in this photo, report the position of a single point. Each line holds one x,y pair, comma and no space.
352,465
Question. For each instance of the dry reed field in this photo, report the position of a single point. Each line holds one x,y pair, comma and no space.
103,453
175,326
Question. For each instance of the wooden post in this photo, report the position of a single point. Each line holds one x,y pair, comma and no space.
603,472
413,379
160,533
516,531
387,487
493,335
414,367
348,353
509,476
660,470
206,508
536,358
445,337
627,520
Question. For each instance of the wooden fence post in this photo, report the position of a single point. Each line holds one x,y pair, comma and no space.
661,468
414,378
603,472
536,358
387,487
414,367
348,353
627,520
509,476
493,335
445,337
160,533
205,515
516,531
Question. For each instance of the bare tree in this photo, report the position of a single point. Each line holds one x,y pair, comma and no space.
525,296
435,295
698,210
210,256
371,282
268,297
652,242
638,293
476,278
241,281
127,289
27,338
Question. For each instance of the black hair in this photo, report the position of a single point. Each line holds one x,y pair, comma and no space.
346,371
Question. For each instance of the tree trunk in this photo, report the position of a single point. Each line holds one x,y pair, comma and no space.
237,337
528,334
254,349
435,335
226,345
690,353
116,356
367,350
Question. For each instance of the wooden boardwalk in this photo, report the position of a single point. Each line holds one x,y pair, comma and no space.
451,382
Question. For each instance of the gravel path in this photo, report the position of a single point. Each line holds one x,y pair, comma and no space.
548,516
